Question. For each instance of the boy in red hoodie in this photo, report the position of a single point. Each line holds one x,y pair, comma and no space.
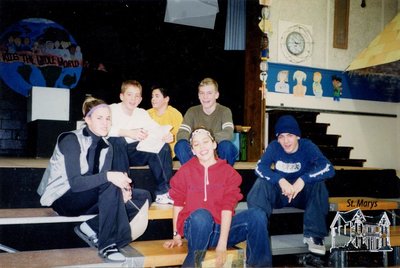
206,191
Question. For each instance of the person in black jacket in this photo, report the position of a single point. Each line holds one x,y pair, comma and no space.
79,181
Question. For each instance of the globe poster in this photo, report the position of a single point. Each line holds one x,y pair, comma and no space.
39,52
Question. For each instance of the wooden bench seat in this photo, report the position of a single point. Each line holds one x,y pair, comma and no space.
281,244
157,211
35,215
154,254
48,215
150,253
395,236
51,258
139,254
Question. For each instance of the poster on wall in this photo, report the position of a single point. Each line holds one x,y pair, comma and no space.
304,81
39,52
299,87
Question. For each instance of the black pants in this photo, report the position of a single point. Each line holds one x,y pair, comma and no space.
160,164
113,215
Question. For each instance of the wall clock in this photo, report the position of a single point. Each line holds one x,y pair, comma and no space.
297,43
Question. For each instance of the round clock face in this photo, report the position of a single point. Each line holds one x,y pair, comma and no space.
295,43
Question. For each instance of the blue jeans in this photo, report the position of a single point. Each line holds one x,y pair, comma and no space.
225,150
313,199
160,164
202,233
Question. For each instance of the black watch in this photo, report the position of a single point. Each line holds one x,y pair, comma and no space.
175,233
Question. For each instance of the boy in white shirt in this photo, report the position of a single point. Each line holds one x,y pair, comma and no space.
130,125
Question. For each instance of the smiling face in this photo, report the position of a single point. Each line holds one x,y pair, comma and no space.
99,122
208,96
158,101
289,142
131,98
203,146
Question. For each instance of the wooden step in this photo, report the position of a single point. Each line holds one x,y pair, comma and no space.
17,216
139,254
301,116
336,151
156,255
159,212
36,215
348,162
51,258
48,215
323,139
312,127
152,253
27,162
395,236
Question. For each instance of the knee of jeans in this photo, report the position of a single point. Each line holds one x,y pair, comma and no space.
257,186
166,148
258,216
318,187
178,146
181,142
226,145
181,146
201,217
143,195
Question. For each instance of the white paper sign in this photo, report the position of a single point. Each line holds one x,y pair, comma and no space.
153,143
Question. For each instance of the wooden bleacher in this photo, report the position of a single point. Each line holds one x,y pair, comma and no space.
48,215
151,253
158,211
139,254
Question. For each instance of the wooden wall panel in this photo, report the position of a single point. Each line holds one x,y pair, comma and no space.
254,107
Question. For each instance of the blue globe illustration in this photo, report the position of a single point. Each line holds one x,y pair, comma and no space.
39,52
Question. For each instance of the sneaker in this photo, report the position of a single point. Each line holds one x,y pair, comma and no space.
92,241
315,245
111,253
164,199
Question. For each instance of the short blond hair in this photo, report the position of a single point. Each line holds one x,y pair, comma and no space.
209,81
128,83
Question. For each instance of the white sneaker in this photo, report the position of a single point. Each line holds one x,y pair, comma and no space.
112,253
315,245
164,199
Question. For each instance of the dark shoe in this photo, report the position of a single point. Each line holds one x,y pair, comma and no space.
315,245
92,241
111,253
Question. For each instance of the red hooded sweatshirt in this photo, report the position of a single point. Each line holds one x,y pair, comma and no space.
215,188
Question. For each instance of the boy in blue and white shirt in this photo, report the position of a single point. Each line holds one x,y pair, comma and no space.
291,173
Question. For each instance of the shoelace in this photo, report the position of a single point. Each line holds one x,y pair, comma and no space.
109,249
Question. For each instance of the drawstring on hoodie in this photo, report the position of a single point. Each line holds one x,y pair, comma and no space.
205,183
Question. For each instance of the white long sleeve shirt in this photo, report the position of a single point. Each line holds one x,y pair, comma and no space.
140,118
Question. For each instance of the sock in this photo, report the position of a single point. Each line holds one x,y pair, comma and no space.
85,228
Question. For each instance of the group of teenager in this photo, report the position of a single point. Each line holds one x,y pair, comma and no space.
88,173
